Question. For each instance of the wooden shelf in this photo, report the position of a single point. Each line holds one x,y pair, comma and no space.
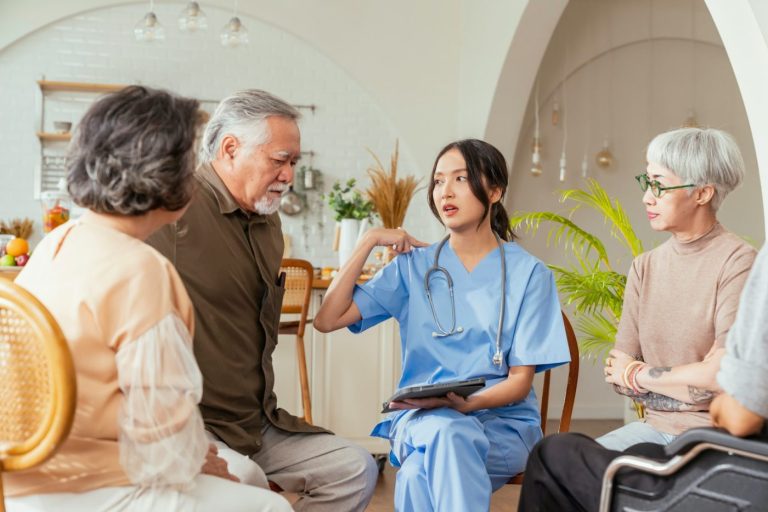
48,136
49,85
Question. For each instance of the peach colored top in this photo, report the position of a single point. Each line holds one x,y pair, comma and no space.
128,321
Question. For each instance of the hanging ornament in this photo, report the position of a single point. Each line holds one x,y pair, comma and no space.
584,166
604,157
555,113
690,121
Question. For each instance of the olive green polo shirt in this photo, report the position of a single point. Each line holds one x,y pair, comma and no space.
229,260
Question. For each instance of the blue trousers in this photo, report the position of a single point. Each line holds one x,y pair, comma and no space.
452,461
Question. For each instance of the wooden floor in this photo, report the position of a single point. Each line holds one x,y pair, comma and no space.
503,500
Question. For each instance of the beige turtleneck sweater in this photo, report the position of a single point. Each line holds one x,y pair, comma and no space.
680,299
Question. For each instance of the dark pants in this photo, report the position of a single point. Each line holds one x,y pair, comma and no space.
565,472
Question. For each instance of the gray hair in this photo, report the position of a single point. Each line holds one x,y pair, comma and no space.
244,115
700,157
134,152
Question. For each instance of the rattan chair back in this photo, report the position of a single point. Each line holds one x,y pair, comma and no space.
37,382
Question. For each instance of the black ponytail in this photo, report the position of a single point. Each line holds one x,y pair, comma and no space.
486,168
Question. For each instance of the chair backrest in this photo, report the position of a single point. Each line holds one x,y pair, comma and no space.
298,289
570,388
38,389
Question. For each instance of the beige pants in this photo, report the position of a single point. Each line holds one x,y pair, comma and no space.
209,493
327,472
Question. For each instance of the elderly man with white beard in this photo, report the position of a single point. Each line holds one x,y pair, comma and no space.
227,248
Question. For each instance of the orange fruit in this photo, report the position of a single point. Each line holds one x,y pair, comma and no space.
17,247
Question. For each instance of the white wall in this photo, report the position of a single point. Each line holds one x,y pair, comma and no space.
97,46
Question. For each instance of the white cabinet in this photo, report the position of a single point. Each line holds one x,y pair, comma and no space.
350,376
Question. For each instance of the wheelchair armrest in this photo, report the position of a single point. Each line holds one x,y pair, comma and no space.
690,438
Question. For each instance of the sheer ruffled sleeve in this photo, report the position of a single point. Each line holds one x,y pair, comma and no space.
162,440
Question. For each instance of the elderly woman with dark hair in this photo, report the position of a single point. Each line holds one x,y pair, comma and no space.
681,298
138,441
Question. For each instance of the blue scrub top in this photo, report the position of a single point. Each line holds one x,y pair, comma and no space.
532,333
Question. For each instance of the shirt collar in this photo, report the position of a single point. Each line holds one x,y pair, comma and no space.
227,204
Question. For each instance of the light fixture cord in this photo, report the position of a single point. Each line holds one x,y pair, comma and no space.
536,110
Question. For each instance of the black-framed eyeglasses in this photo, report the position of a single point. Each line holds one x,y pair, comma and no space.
657,189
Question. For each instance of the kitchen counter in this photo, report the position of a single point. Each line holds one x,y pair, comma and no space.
9,273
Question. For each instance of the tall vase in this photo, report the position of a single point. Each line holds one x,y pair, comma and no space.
351,231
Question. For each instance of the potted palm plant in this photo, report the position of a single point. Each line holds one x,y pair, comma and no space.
588,282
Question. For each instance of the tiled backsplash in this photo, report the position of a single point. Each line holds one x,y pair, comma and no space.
98,46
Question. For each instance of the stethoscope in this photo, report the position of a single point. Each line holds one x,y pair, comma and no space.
441,332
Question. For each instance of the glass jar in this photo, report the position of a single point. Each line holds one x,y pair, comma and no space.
56,209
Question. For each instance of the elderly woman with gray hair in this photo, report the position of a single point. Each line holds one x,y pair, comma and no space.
681,297
138,441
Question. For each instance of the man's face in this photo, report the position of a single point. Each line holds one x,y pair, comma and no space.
261,174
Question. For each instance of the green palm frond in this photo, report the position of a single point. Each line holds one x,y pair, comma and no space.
564,231
591,292
598,335
590,285
597,198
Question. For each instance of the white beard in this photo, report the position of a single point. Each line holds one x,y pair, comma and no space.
267,205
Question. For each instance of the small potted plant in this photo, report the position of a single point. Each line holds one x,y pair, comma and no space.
352,212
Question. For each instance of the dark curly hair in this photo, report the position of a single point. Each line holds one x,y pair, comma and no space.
134,152
486,167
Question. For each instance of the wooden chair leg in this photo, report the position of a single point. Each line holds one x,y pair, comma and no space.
304,379
2,496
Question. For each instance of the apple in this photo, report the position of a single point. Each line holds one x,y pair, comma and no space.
22,260
7,261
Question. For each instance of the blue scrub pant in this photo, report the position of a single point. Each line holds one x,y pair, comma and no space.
452,461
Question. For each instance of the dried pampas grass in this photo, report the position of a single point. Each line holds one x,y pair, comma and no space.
390,195
21,228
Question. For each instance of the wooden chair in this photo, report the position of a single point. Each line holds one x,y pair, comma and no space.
37,382
570,390
298,288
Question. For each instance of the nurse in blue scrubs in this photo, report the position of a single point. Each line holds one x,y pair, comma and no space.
487,309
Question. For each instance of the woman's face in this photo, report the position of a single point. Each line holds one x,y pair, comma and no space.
674,210
457,205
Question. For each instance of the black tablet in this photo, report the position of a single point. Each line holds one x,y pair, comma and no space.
460,387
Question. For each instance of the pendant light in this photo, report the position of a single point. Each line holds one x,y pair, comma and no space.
192,18
148,29
536,169
604,157
234,33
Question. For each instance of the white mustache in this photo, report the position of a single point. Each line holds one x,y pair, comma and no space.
282,187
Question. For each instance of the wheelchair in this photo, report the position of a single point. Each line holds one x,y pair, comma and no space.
708,470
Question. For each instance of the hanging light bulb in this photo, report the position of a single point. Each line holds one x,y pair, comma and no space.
192,18
536,169
555,113
690,121
604,157
584,166
562,166
234,33
148,29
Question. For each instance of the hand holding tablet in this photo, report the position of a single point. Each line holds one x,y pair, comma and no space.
462,388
